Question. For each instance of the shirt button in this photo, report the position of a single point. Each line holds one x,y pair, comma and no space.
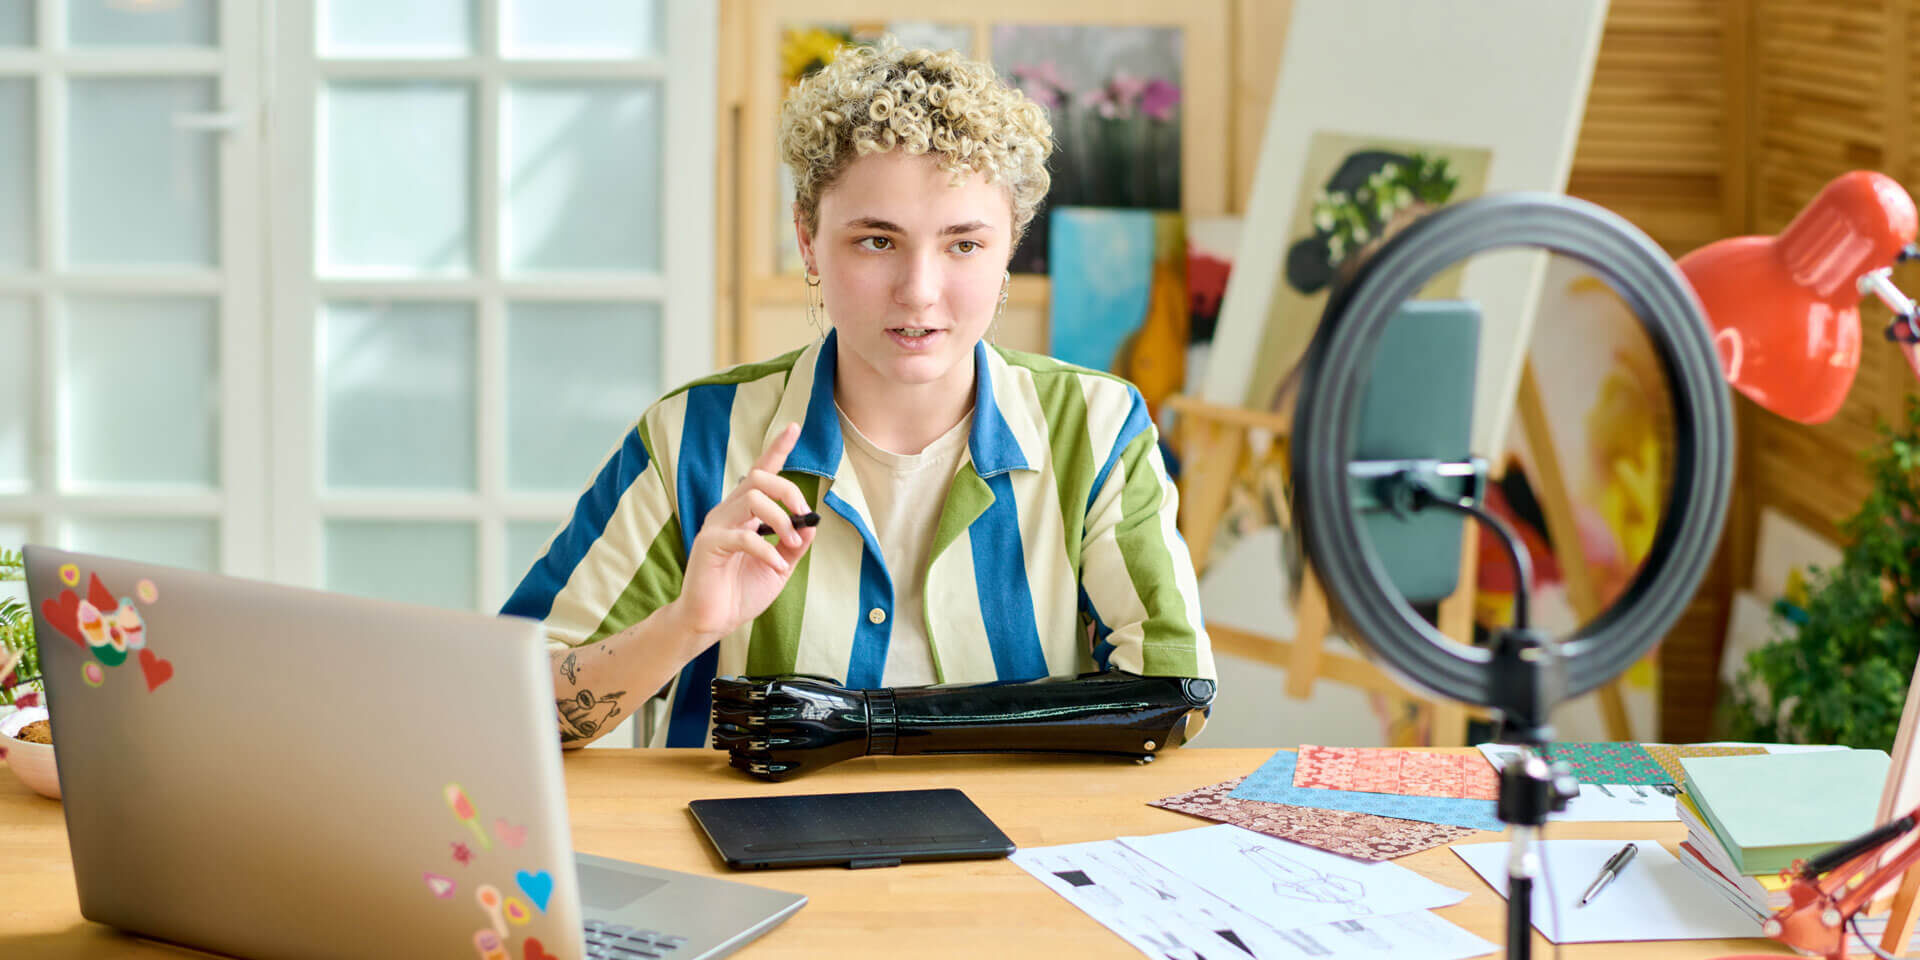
876,616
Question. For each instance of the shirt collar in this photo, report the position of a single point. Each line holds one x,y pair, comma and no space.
994,440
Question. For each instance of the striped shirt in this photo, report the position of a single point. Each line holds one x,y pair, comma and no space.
1056,551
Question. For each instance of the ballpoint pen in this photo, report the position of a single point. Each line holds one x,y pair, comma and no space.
1611,869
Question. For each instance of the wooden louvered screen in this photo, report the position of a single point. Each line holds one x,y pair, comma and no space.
1830,95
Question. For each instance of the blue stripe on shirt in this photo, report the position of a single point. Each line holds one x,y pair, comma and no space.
1137,423
705,431
868,662
1000,575
534,596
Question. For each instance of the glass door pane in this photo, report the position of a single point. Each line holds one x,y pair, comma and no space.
582,29
583,177
141,191
141,23
383,28
142,393
18,140
19,395
396,179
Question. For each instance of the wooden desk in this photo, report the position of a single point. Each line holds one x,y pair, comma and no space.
632,804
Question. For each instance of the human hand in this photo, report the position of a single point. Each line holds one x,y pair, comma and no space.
776,726
733,573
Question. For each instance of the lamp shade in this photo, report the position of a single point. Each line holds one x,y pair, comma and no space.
1785,310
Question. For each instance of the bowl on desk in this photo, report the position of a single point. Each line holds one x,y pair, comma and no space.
31,762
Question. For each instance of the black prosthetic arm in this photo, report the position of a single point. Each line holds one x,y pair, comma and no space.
776,726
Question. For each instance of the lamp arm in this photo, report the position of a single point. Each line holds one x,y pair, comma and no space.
1824,900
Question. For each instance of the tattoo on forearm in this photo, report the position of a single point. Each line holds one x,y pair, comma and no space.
570,666
584,715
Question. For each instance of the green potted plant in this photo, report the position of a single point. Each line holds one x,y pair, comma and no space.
16,634
1842,676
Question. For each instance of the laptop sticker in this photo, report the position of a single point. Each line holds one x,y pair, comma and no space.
517,912
463,810
94,625
70,574
158,671
129,628
509,834
489,899
111,628
537,886
535,950
442,887
146,591
463,853
492,946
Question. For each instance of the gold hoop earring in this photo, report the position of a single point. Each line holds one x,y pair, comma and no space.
816,304
993,329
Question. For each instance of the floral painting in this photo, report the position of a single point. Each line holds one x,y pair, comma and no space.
1113,95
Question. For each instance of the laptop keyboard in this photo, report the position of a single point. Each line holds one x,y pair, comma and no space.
617,941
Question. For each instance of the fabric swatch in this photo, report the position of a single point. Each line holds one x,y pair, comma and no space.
1610,763
1668,755
1273,783
1410,772
1361,836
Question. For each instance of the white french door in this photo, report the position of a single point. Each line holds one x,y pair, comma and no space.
474,303
132,345
343,293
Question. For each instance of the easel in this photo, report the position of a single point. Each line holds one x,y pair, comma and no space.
1214,440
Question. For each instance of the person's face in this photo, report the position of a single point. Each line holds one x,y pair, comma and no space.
910,265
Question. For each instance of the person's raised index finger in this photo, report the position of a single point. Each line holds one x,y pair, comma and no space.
775,455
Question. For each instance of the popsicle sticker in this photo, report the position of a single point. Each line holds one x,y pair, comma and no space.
463,810
491,945
488,897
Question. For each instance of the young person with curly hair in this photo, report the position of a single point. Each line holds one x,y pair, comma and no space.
995,565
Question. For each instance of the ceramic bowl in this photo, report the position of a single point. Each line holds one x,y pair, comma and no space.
31,762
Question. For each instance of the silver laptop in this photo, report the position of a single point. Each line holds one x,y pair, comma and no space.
270,772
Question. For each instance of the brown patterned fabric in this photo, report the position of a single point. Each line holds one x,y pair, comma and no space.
1361,836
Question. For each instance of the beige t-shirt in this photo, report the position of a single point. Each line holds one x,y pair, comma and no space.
904,495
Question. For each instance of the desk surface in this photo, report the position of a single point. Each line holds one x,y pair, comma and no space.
632,804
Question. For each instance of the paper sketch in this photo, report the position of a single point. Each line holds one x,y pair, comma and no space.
1287,884
1164,914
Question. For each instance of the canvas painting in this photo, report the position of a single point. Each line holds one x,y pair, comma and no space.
807,47
1211,244
1504,117
1354,191
1113,95
1119,300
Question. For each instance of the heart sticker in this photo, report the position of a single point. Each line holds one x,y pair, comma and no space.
442,887
158,671
533,949
517,912
509,834
63,614
537,886
70,575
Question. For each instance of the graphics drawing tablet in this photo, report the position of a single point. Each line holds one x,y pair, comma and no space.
883,829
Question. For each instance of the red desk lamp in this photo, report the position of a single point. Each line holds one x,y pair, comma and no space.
1785,310
1786,322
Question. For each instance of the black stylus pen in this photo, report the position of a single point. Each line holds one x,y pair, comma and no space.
1614,865
811,519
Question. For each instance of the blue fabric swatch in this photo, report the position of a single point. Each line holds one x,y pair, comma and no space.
1273,783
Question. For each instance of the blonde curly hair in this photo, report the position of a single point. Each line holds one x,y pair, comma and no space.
872,99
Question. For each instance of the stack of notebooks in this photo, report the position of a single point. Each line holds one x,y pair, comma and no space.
1750,817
